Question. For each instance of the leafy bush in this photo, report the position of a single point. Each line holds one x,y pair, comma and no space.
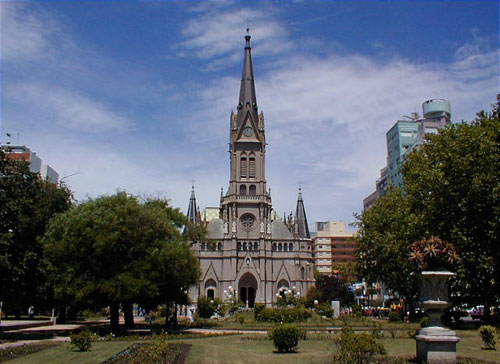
285,337
258,308
325,309
207,307
489,336
393,316
356,310
155,351
351,348
241,319
424,321
284,315
81,341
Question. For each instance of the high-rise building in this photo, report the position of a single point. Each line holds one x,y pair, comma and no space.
249,248
333,245
403,137
24,153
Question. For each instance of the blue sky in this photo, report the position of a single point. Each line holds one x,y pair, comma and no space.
136,95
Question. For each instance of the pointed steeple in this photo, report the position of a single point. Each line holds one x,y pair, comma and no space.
300,218
248,99
193,212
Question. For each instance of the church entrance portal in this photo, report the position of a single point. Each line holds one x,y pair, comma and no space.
247,288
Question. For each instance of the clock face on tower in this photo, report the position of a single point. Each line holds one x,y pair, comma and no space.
248,131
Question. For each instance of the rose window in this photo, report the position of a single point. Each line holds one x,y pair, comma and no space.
247,222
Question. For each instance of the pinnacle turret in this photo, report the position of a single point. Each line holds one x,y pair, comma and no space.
248,99
193,212
300,218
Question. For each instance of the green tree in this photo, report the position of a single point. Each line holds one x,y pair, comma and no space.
26,205
453,184
116,250
332,288
385,231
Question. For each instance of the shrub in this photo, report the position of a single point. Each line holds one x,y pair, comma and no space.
258,308
206,307
424,321
325,309
241,319
284,315
351,348
393,316
285,337
356,310
489,336
82,341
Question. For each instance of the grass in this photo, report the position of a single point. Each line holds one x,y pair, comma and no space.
61,354
257,349
254,350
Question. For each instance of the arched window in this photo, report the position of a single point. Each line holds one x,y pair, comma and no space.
285,247
239,246
290,247
251,167
255,246
219,246
280,247
252,190
243,190
202,246
243,167
274,247
303,273
244,246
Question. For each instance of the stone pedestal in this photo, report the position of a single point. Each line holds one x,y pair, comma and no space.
436,345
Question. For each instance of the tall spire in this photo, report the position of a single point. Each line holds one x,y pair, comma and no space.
193,213
300,218
248,100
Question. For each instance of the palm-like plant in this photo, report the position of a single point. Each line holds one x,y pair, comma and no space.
433,254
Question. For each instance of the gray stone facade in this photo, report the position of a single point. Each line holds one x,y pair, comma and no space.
250,249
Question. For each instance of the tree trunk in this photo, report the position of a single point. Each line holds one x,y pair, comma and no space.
128,315
61,318
486,313
167,317
114,317
174,319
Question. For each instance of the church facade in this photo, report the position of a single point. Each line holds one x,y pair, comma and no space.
250,249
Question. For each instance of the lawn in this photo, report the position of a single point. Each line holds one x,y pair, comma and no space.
256,349
61,354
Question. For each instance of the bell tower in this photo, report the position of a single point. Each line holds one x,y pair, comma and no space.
247,204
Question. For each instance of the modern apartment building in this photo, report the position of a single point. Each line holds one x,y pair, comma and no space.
403,137
333,245
24,153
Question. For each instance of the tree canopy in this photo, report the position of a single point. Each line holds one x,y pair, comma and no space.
116,250
451,190
27,202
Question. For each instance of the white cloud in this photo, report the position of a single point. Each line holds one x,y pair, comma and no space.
28,35
69,109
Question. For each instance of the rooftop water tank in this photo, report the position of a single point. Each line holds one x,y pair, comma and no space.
436,107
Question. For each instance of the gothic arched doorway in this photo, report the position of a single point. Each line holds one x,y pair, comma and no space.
247,287
210,287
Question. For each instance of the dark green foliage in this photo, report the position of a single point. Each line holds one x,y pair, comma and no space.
351,348
332,288
258,309
27,203
82,340
285,315
206,307
115,249
153,352
285,337
325,309
452,183
489,336
393,316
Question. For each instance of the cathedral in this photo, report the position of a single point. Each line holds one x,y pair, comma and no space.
249,248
